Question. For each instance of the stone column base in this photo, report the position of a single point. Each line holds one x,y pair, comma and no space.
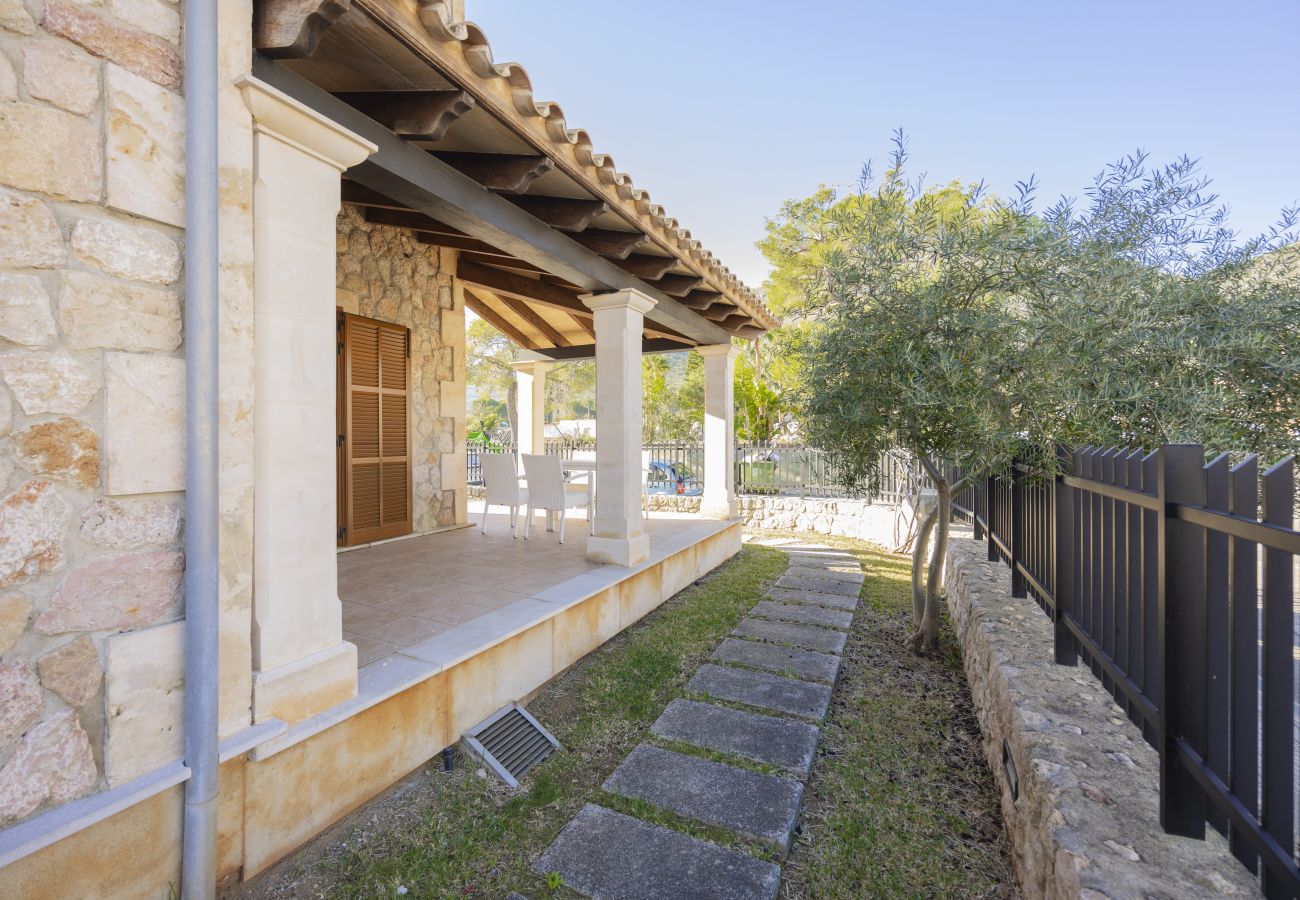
306,686
619,551
718,508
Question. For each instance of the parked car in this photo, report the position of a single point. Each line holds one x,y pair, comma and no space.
672,478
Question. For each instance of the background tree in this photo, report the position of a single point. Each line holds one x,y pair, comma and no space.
488,354
915,340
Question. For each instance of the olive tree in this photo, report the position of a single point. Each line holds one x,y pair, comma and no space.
916,339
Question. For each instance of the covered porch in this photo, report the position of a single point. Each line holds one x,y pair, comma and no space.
449,592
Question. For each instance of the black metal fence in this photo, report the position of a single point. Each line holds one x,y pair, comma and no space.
1175,580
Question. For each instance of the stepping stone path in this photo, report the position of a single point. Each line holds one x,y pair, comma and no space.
780,664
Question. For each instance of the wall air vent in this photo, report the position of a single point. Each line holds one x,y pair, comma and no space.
510,742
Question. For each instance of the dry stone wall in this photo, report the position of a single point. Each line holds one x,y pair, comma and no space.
385,273
1084,817
91,417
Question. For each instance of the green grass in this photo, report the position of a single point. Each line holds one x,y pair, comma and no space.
468,836
901,802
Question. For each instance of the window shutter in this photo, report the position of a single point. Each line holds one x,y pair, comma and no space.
376,430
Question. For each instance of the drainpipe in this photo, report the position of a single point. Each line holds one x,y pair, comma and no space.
199,847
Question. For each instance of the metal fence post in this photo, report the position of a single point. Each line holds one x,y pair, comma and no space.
1065,552
1019,586
1180,599
990,489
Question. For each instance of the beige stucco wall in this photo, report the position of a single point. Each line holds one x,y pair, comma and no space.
384,273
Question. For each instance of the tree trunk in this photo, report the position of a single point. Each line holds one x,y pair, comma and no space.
920,552
926,637
512,410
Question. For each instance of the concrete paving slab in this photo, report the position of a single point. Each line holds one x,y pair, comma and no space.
759,806
803,664
808,636
610,856
765,739
818,584
835,573
803,614
763,690
788,595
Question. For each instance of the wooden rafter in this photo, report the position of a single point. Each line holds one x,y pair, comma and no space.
531,316
498,259
585,324
563,213
699,300
413,115
292,29
719,312
496,320
610,244
645,266
500,172
677,285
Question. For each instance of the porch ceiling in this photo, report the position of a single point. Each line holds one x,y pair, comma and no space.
433,84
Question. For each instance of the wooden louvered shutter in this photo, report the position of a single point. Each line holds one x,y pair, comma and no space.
375,471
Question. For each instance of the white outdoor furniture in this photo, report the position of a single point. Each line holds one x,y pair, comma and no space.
501,487
549,490
645,483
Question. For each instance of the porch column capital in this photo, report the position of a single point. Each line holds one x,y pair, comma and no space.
531,366
278,115
731,351
626,298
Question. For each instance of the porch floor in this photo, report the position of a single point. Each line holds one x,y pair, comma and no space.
400,593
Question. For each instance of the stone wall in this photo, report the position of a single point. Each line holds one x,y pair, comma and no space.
1085,822
91,408
861,519
385,273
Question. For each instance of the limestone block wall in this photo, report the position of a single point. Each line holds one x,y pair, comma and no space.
384,273
91,406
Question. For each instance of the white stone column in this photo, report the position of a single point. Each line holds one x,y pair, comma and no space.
719,500
530,393
301,663
620,536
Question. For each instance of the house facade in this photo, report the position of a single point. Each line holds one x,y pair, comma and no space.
232,421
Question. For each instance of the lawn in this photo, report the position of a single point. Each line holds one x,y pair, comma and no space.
899,804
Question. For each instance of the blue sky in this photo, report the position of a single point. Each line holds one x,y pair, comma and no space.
723,109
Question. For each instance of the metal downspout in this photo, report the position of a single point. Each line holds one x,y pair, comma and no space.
199,847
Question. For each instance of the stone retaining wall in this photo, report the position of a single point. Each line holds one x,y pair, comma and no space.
1086,821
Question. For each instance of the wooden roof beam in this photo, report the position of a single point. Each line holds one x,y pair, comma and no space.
512,284
677,285
415,221
500,172
498,321
645,266
411,115
588,351
563,213
458,243
292,29
610,244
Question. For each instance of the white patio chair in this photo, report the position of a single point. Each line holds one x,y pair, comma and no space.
548,490
501,487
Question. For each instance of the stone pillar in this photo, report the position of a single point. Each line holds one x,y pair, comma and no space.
719,500
620,536
530,381
301,663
